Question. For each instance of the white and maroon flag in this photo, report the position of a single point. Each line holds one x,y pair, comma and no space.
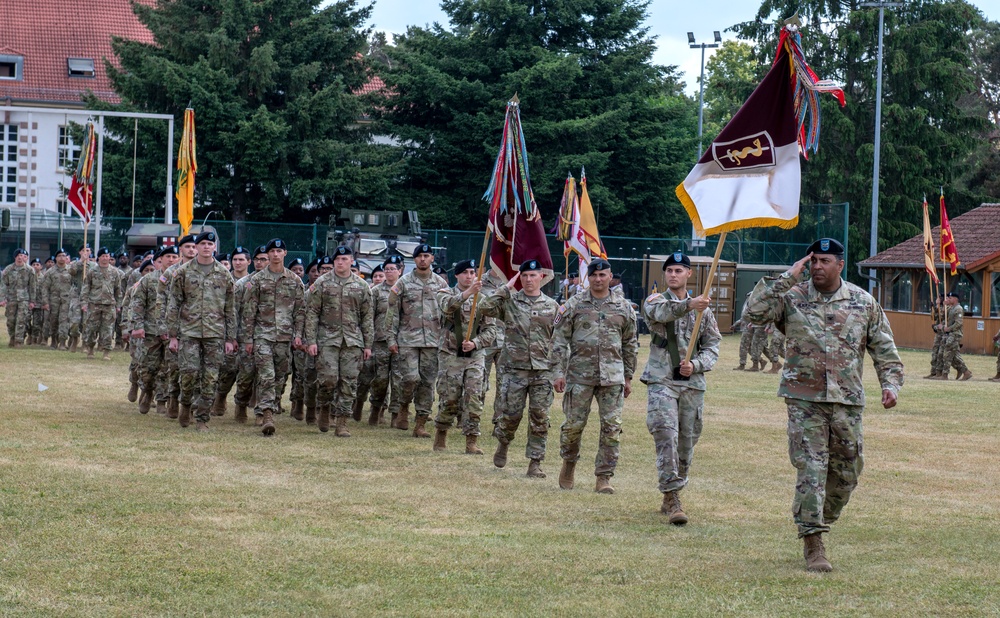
749,176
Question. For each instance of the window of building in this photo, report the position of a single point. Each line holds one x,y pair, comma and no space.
69,152
11,67
899,291
970,292
80,67
995,296
922,284
8,163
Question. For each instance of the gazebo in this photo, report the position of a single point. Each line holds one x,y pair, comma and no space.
904,289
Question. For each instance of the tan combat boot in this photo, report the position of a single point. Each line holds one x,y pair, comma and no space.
267,426
219,405
930,376
341,427
201,426
742,367
258,419
185,416
500,456
440,440
471,448
566,474
815,554
161,408
418,429
381,414
941,376
535,469
172,412
373,417
241,413
755,367
145,401
671,507
402,420
72,344
311,415
297,409
90,352
133,392
775,367
995,378
603,485
106,356
966,376
357,408
324,418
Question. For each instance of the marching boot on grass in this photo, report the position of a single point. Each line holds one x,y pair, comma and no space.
995,378
671,507
324,418
500,456
373,417
815,554
741,367
775,367
603,485
310,415
172,410
357,408
267,424
566,474
144,402
201,426
133,392
756,366
402,420
342,431
418,429
966,376
241,413
297,409
440,440
471,448
219,405
185,415
535,469
106,356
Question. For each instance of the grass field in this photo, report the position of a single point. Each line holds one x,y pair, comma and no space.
104,512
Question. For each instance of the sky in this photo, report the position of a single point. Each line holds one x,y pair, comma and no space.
669,21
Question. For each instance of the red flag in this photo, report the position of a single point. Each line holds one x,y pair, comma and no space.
949,253
81,198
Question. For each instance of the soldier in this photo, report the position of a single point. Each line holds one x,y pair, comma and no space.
937,325
339,334
18,287
146,331
272,324
746,336
776,349
356,269
460,360
491,355
303,394
413,328
56,298
676,388
828,324
137,345
201,318
367,374
226,261
597,328
186,251
38,314
759,348
239,262
298,268
378,275
527,317
101,299
382,359
246,376
951,348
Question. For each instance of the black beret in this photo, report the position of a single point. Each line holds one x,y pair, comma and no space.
597,264
677,259
209,236
378,269
167,251
19,251
296,261
393,259
185,240
464,265
342,250
51,258
35,261
952,295
826,246
275,243
240,250
62,251
137,257
354,265
103,251
437,270
422,248
326,259
85,245
530,265
225,258
145,264
574,274
312,264
260,250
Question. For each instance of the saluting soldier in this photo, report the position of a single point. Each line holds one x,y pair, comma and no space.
597,329
18,287
413,325
101,299
56,293
339,334
528,317
272,324
461,360
146,331
382,359
202,326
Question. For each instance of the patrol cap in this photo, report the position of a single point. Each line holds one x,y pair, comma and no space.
826,246
19,251
167,251
261,249
240,250
530,265
378,269
186,239
677,258
103,251
393,259
145,264
422,248
205,236
61,251
275,243
296,261
464,265
342,250
597,264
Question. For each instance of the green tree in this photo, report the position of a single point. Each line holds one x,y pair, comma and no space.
932,119
272,83
731,74
590,96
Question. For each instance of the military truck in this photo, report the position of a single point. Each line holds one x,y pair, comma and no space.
144,236
375,233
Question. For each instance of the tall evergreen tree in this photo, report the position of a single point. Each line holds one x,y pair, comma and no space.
590,96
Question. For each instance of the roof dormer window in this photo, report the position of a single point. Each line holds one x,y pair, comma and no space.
11,67
80,67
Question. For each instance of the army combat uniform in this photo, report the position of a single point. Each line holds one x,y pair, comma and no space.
491,355
56,293
146,317
951,347
102,295
18,287
382,359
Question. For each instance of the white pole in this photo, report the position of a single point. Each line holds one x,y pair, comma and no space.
27,210
873,240
168,213
100,172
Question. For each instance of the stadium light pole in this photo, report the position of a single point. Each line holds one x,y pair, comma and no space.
881,5
701,83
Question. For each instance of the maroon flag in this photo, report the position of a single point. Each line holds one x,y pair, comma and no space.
80,197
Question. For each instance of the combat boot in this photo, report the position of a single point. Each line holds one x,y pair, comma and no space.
172,408
161,407
966,376
145,401
55,344
440,440
201,426
72,344
185,416
381,415
500,456
418,429
471,448
90,352
106,356
815,554
775,367
566,474
297,409
341,427
219,405
930,376
373,417
258,419
671,507
241,413
357,408
535,469
941,376
133,392
603,485
267,425
311,415
324,418
742,367
995,378
755,367
402,420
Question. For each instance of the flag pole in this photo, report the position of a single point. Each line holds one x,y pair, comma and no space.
479,277
707,290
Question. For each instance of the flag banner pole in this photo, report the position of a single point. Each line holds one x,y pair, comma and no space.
479,277
707,290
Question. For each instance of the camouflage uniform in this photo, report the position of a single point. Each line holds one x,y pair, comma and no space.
527,364
102,294
382,360
826,339
491,355
146,316
939,336
202,314
674,408
413,323
600,335
460,375
758,346
951,347
273,313
777,347
136,348
746,338
56,293
39,316
339,321
170,371
19,287
242,374
77,318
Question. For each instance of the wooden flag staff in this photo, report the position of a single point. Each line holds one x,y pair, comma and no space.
708,289
479,277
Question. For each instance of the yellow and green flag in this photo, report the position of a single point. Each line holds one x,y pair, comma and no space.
187,165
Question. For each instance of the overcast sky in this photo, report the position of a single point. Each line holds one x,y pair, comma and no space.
669,21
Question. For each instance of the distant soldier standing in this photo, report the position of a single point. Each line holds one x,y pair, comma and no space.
676,388
413,322
137,345
202,322
272,323
18,287
302,363
382,359
829,324
460,361
759,350
56,297
951,348
746,336
528,319
339,334
77,319
101,299
39,315
597,329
